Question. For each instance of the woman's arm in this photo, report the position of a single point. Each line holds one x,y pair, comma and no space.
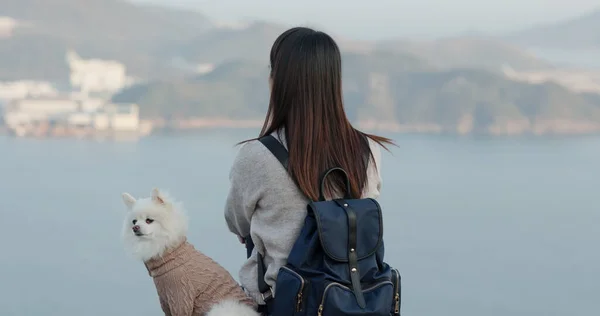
245,190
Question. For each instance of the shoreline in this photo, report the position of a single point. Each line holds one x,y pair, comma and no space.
509,128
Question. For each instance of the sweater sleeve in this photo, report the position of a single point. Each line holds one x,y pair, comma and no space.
245,189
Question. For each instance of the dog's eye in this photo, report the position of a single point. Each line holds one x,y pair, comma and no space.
149,221
134,221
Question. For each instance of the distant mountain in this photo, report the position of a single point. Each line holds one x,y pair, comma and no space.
253,42
443,86
159,42
238,89
33,56
412,96
235,90
105,20
107,29
576,33
471,52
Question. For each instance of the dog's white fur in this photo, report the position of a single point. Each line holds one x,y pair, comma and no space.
167,228
231,308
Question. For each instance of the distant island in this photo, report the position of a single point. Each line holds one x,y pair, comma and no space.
406,96
184,72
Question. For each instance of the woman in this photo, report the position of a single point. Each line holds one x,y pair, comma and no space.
306,114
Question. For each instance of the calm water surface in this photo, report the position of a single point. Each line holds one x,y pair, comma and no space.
477,227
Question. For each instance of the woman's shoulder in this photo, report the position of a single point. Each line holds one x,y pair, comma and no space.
255,166
250,152
253,155
250,149
255,151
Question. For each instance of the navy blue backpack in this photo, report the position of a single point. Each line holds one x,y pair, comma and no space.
336,265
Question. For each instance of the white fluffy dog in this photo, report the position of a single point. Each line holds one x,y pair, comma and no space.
188,282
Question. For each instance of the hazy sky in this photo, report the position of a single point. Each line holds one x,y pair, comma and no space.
369,19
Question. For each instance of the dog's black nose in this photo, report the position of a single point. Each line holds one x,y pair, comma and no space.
136,228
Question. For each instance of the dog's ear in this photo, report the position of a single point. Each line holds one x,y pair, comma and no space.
158,197
129,200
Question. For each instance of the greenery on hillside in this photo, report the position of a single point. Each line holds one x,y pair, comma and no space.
411,95
446,97
236,90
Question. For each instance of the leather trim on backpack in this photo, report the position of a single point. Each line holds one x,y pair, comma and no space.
334,221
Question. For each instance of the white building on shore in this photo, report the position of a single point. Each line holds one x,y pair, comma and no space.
37,108
10,90
32,110
93,76
116,117
41,116
7,26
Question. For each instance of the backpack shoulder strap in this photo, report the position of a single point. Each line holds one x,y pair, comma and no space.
281,153
276,148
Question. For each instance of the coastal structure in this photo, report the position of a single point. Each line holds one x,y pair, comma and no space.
7,26
10,90
96,76
38,109
67,117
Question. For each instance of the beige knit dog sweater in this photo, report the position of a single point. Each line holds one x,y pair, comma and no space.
189,283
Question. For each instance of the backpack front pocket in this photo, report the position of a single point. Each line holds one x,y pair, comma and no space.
289,292
339,300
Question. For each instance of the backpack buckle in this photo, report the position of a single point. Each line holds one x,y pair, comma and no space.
267,296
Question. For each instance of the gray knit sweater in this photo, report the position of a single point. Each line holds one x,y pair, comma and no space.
265,203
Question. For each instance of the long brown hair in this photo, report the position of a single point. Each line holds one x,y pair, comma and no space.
306,103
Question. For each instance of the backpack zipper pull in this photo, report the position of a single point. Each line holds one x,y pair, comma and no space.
397,305
320,313
299,302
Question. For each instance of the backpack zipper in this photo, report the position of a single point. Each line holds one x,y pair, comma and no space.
396,292
320,311
299,295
